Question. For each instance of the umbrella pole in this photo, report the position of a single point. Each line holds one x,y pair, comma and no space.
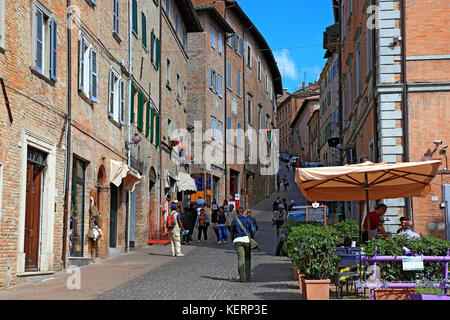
367,213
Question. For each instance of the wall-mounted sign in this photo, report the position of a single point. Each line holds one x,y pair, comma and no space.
412,263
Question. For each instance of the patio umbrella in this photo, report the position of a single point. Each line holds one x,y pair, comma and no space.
367,181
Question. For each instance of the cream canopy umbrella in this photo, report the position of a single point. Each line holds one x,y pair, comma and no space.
367,181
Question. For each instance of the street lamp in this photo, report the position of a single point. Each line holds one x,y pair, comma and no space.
134,140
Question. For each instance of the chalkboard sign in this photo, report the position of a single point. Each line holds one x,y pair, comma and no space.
318,214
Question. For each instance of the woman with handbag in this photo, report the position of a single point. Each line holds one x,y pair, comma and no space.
202,224
242,234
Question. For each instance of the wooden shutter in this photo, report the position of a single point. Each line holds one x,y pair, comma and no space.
94,76
152,127
135,16
132,103
80,63
140,117
152,46
111,94
144,30
39,39
157,130
158,53
53,49
122,103
147,120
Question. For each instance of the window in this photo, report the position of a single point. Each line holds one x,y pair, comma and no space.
144,30
2,25
369,49
350,90
178,88
249,55
220,132
168,73
167,8
249,138
135,17
213,128
184,36
116,97
238,82
350,7
358,70
249,109
140,114
169,129
259,70
229,127
219,85
45,42
185,94
229,75
267,83
177,22
343,19
212,78
260,118
241,47
213,37
220,42
88,73
116,17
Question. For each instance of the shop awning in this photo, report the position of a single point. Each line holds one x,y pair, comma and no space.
186,183
121,173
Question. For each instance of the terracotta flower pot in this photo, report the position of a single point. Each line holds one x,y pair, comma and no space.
393,294
300,282
316,289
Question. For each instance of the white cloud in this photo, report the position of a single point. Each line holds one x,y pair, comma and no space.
286,64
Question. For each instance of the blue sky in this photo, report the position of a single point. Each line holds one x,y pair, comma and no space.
294,31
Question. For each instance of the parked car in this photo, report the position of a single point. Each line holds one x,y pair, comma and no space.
297,213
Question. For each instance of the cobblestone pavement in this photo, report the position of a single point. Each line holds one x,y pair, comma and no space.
209,272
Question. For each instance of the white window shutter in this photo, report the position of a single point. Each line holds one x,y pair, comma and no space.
53,49
94,76
110,95
39,40
122,103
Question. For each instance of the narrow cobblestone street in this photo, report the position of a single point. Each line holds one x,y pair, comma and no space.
209,272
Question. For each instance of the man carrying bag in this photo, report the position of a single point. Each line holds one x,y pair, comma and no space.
242,235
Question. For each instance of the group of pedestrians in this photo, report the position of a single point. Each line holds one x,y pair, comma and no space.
225,222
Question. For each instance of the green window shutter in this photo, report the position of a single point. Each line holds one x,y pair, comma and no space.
147,120
132,103
152,125
158,53
157,142
140,117
152,46
144,30
135,16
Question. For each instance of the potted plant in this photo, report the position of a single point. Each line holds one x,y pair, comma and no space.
315,258
428,293
348,231
392,272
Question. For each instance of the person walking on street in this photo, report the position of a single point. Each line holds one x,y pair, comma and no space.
202,224
278,183
222,224
225,205
230,217
279,218
285,204
188,222
285,183
174,234
291,205
214,220
276,203
241,243
249,215
287,167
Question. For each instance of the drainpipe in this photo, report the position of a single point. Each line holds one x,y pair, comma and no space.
130,72
225,100
68,136
405,126
160,175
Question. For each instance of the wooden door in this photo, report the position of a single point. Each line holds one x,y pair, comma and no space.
32,216
113,217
